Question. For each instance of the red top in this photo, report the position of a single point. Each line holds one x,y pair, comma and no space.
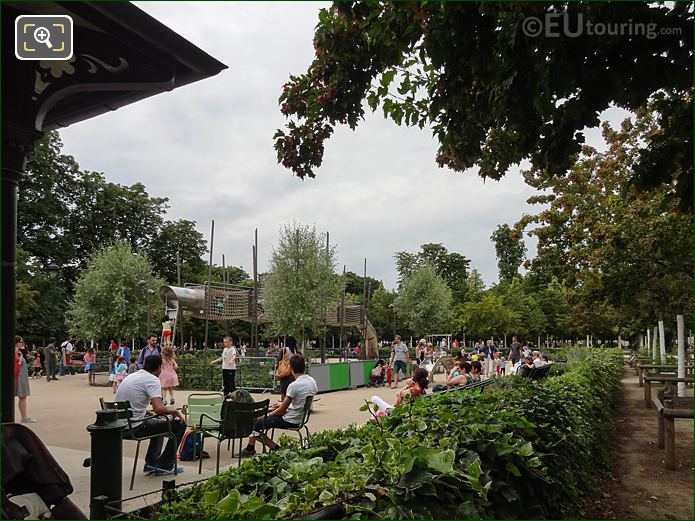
415,391
17,364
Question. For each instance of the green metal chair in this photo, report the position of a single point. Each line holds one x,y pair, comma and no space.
126,413
306,414
197,404
238,422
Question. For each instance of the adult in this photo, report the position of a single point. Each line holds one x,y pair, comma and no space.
66,349
286,353
400,357
420,352
525,365
415,386
228,361
21,379
537,360
150,349
51,360
124,351
514,351
287,414
489,351
142,389
476,369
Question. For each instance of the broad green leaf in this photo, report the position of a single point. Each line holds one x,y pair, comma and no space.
442,461
230,503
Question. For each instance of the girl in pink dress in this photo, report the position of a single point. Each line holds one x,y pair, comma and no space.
121,372
168,376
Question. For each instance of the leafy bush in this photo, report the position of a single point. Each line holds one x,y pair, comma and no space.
529,450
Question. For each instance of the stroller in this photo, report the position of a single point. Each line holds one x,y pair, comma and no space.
32,481
378,375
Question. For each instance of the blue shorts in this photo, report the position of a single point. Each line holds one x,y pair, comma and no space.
399,364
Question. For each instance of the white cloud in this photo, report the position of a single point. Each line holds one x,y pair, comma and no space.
208,147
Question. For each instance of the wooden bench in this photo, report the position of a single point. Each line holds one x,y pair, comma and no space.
666,368
660,378
669,408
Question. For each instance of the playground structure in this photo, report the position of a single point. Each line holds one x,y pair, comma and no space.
234,302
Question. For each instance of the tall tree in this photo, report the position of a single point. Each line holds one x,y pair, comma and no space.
109,301
178,237
493,93
631,248
302,283
488,316
424,301
510,250
451,267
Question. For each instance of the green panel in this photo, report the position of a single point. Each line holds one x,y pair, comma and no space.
368,366
340,376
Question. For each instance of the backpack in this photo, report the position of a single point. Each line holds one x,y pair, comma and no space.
239,396
189,449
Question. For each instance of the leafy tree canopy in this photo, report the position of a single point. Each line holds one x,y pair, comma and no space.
451,267
424,301
109,302
510,250
302,283
493,95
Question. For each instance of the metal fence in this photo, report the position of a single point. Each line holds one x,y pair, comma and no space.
252,373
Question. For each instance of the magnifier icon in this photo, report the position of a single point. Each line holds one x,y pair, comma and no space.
42,35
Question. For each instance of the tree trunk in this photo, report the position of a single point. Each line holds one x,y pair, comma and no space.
654,352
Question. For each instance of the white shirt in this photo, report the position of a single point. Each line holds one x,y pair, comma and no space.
139,388
68,346
229,358
299,390
538,362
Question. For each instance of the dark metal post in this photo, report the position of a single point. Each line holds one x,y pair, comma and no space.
106,461
208,295
342,318
13,159
254,329
178,280
363,352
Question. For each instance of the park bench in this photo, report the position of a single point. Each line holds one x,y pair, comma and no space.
536,373
670,407
661,369
481,384
659,378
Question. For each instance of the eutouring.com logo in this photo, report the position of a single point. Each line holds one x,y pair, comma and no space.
555,25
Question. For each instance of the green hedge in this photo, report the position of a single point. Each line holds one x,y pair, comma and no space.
525,450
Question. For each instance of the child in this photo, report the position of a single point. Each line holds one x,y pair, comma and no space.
112,376
37,365
167,325
168,376
502,368
90,359
121,371
133,367
377,375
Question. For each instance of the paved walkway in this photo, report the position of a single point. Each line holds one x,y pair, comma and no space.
64,408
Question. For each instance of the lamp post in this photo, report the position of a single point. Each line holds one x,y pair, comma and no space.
391,306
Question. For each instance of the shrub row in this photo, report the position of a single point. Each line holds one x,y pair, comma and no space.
525,450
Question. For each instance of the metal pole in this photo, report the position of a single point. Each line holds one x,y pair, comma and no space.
342,313
208,295
178,281
225,280
323,346
363,353
254,339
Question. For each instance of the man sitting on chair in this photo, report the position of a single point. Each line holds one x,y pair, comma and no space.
288,414
141,389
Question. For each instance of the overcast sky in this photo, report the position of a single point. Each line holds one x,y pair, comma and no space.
208,147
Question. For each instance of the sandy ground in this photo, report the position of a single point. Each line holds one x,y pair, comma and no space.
64,408
639,487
